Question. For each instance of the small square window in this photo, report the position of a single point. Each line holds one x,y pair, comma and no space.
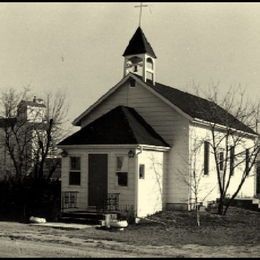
141,171
122,178
74,178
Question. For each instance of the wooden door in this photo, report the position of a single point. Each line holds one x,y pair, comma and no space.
97,174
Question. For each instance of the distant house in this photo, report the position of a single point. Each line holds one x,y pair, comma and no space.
28,121
135,142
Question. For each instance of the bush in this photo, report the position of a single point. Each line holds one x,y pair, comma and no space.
21,199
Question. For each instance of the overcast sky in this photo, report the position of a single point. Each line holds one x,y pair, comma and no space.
78,47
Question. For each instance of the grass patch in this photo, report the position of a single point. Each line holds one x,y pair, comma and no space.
238,227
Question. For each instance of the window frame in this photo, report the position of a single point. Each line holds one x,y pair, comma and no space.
221,160
140,167
74,170
124,169
247,161
206,158
232,160
118,178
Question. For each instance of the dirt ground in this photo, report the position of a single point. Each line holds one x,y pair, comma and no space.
236,235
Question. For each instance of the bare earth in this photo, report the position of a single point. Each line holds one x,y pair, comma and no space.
23,240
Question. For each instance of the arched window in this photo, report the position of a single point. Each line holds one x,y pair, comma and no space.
149,63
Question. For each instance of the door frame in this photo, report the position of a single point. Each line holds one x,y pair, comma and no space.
88,179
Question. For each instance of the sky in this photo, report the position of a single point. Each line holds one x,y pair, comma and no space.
77,47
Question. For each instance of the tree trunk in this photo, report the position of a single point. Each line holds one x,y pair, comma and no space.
198,215
221,205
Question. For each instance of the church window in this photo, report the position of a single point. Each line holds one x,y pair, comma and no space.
232,159
122,170
74,175
141,171
122,178
221,161
206,158
247,160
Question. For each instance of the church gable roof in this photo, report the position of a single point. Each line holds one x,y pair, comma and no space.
121,125
139,45
198,107
191,106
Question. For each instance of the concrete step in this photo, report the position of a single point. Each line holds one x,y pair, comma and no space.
84,217
75,220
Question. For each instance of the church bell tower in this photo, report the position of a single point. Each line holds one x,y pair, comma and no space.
140,57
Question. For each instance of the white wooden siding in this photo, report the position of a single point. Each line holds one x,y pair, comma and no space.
208,186
167,122
127,194
151,188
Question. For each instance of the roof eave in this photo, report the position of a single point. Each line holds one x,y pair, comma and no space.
122,146
76,122
222,127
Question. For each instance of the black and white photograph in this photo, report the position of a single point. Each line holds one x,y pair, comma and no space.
129,129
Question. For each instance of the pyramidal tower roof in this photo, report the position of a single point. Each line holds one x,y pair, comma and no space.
139,44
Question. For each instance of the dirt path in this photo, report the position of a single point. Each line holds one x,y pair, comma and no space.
23,248
20,240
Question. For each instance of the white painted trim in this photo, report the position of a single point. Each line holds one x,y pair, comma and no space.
154,147
113,89
221,127
163,98
108,146
136,183
97,146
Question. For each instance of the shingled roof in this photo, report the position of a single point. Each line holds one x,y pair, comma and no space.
121,125
198,107
139,44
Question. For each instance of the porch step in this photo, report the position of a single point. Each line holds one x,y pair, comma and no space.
79,220
83,217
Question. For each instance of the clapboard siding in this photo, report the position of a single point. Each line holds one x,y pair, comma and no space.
166,121
151,187
208,186
127,194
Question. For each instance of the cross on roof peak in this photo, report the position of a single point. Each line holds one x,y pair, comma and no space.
140,14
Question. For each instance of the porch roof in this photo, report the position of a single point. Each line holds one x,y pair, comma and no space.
121,125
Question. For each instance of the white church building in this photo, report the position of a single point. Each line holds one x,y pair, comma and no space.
134,146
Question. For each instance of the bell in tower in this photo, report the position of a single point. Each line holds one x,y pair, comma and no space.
140,57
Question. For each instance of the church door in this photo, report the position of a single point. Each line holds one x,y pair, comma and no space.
97,175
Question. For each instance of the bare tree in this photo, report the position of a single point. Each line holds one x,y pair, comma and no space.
50,133
231,120
194,180
31,136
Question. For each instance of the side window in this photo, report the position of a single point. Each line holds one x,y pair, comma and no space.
141,171
122,170
122,179
221,161
74,174
247,161
206,158
232,160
